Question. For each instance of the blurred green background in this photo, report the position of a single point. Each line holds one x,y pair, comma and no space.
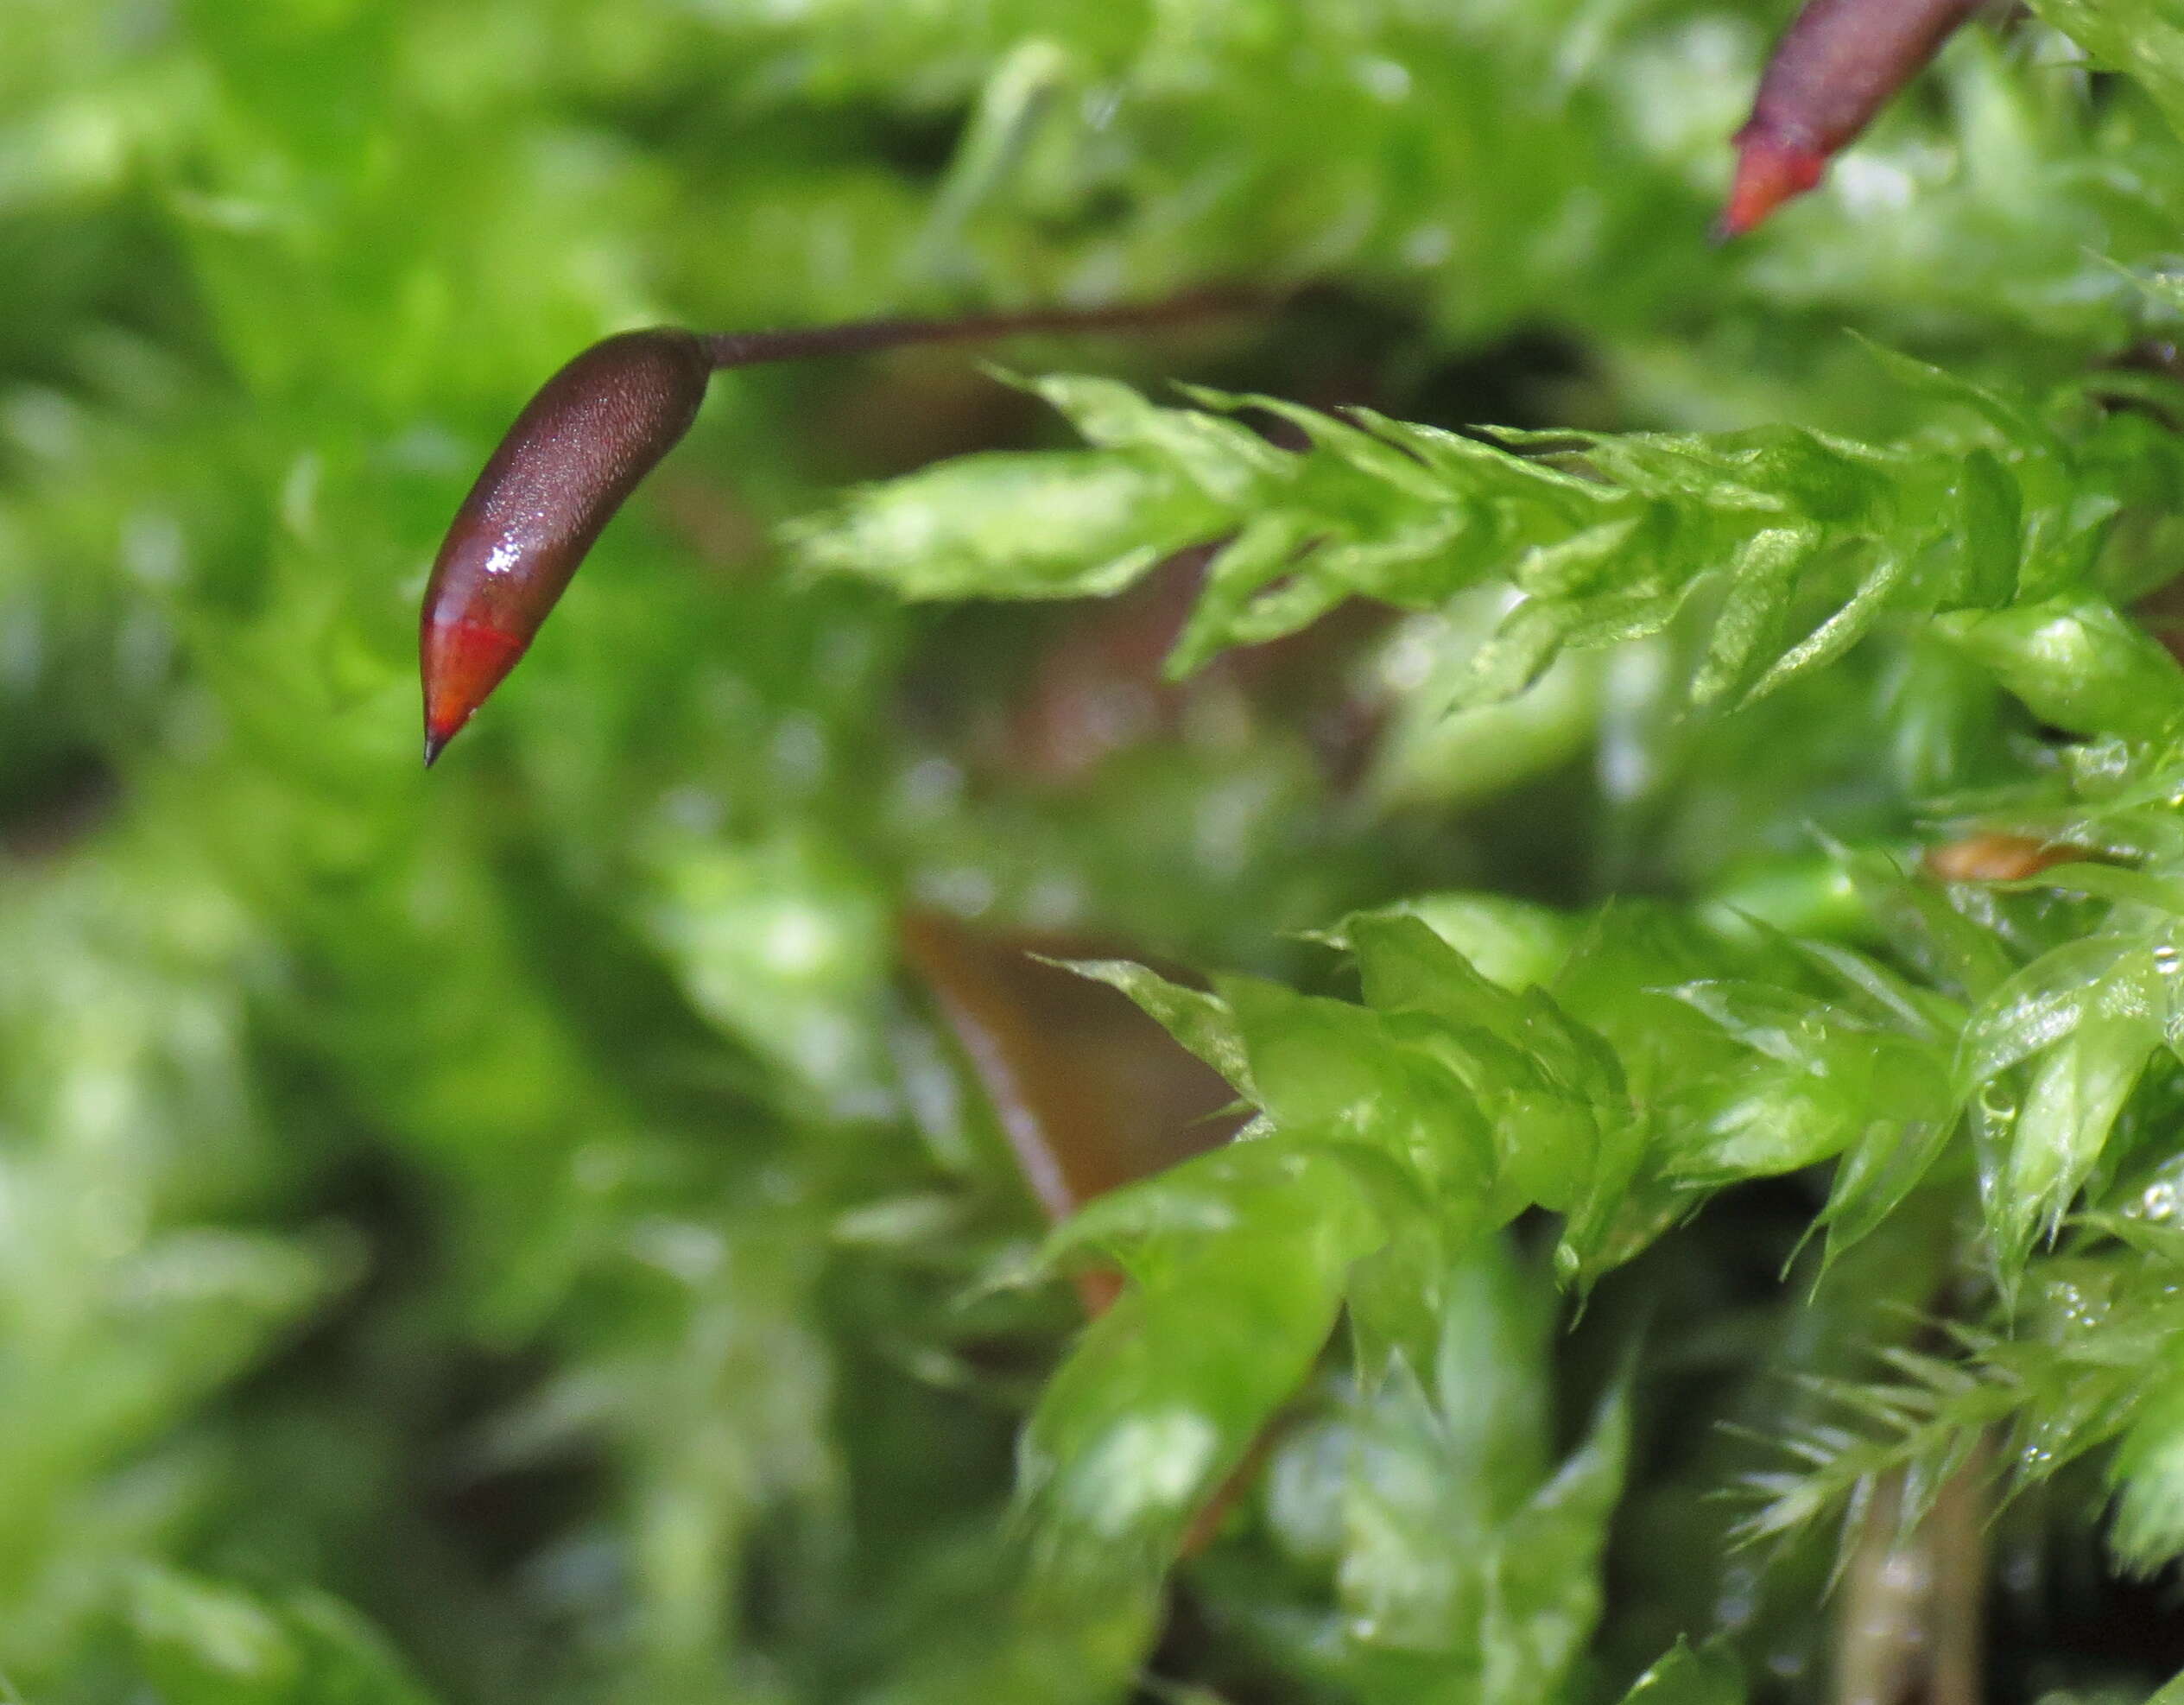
524,1233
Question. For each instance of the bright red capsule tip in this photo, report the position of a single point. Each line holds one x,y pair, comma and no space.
463,662
1768,173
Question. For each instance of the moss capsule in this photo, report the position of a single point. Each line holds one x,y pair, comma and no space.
1833,70
581,446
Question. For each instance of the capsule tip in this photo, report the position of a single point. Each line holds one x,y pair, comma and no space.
463,662
1768,173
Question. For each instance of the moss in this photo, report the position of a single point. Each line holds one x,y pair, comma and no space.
577,1227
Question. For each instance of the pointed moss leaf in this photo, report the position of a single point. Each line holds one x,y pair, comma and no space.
1326,1068
2158,891
1166,1390
2077,1091
1559,569
1244,566
1547,1138
1290,606
1544,1592
1529,638
1228,462
1393,1309
1466,1334
1515,943
1231,1189
2143,39
1020,94
1747,631
1785,1118
1414,1524
1457,1544
2015,424
1490,475
1883,1165
1622,1207
1141,1225
1550,1089
1377,456
1691,1675
1828,1083
1405,966
1488,1373
1880,992
1851,622
1395,560
2102,976
1989,519
1789,1028
2147,1529
1201,1022
1061,525
1940,941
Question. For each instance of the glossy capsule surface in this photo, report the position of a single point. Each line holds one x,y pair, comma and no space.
579,447
1833,72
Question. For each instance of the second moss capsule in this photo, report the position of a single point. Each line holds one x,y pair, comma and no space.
1831,74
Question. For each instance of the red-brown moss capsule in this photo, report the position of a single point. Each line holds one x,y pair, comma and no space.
585,441
1835,69
575,453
